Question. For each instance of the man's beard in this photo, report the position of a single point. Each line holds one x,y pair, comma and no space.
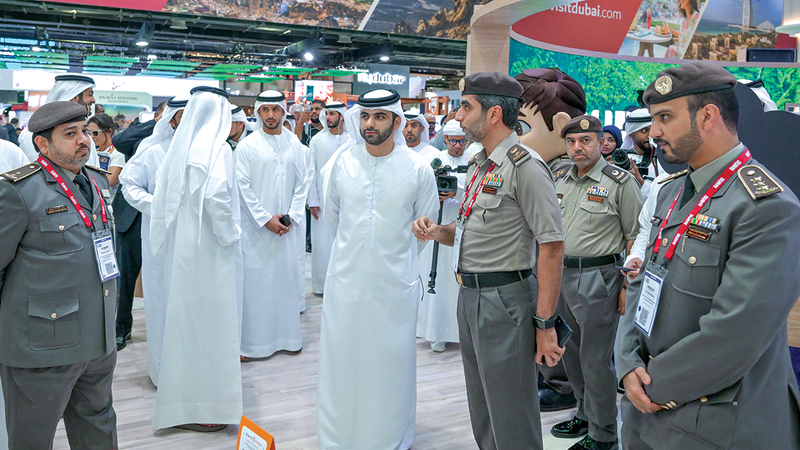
413,141
67,159
478,130
685,146
334,125
644,146
273,127
315,121
382,136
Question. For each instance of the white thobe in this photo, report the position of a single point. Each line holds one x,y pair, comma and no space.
427,151
437,312
138,180
322,147
200,379
366,397
300,236
11,157
271,173
27,147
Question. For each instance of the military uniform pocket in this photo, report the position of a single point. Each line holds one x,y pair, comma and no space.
710,420
60,234
53,321
696,268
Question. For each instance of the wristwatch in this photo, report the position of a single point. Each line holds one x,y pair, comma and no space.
544,324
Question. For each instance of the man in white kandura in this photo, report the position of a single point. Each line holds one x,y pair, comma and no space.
417,136
437,313
138,180
323,145
195,216
271,170
67,88
367,391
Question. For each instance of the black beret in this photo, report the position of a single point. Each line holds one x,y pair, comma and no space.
210,89
490,83
74,78
54,114
687,79
582,124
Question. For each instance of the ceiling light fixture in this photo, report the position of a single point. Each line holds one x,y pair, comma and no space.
308,56
384,58
145,34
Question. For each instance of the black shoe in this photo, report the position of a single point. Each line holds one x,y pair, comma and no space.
550,400
122,341
572,428
588,443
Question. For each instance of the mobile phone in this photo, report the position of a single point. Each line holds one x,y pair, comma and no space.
624,269
285,220
563,331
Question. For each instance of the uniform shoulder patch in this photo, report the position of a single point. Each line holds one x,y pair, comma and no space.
560,174
518,155
758,182
472,160
97,169
615,173
673,176
21,173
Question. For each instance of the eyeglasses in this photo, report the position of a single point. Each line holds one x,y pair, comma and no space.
95,133
457,141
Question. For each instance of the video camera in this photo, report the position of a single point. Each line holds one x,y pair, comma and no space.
446,183
620,158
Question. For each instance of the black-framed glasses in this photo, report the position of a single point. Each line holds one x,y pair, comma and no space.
457,141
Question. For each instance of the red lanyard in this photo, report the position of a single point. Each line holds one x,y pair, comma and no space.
727,174
71,197
474,196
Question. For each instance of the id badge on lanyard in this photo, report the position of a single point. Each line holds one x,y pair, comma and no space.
104,253
457,246
647,306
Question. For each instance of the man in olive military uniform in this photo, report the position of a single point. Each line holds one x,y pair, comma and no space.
57,290
600,206
702,353
509,207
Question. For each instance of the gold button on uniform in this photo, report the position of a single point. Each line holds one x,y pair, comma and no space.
692,260
703,399
53,316
106,292
61,227
664,242
94,216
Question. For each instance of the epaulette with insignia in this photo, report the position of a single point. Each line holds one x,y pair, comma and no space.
758,182
615,173
97,169
674,176
518,155
472,160
21,173
560,174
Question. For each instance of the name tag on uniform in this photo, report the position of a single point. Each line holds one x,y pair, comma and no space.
104,253
647,306
456,246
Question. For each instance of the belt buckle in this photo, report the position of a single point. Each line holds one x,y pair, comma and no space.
458,279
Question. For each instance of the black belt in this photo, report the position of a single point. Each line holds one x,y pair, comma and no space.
491,279
579,263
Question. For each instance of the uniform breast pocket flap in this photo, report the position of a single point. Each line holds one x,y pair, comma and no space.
53,321
696,268
61,233
488,201
594,207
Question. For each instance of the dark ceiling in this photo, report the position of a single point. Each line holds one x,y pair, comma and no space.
87,30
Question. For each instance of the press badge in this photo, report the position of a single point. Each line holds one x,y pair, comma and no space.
104,253
456,246
647,307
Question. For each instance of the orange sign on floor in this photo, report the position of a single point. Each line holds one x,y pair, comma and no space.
253,437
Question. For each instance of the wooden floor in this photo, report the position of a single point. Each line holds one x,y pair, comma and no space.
280,395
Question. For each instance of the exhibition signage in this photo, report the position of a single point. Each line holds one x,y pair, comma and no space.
382,76
253,437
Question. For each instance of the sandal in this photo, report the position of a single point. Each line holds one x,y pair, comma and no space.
201,427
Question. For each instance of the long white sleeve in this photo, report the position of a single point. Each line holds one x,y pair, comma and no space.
220,206
304,174
135,179
243,173
648,209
